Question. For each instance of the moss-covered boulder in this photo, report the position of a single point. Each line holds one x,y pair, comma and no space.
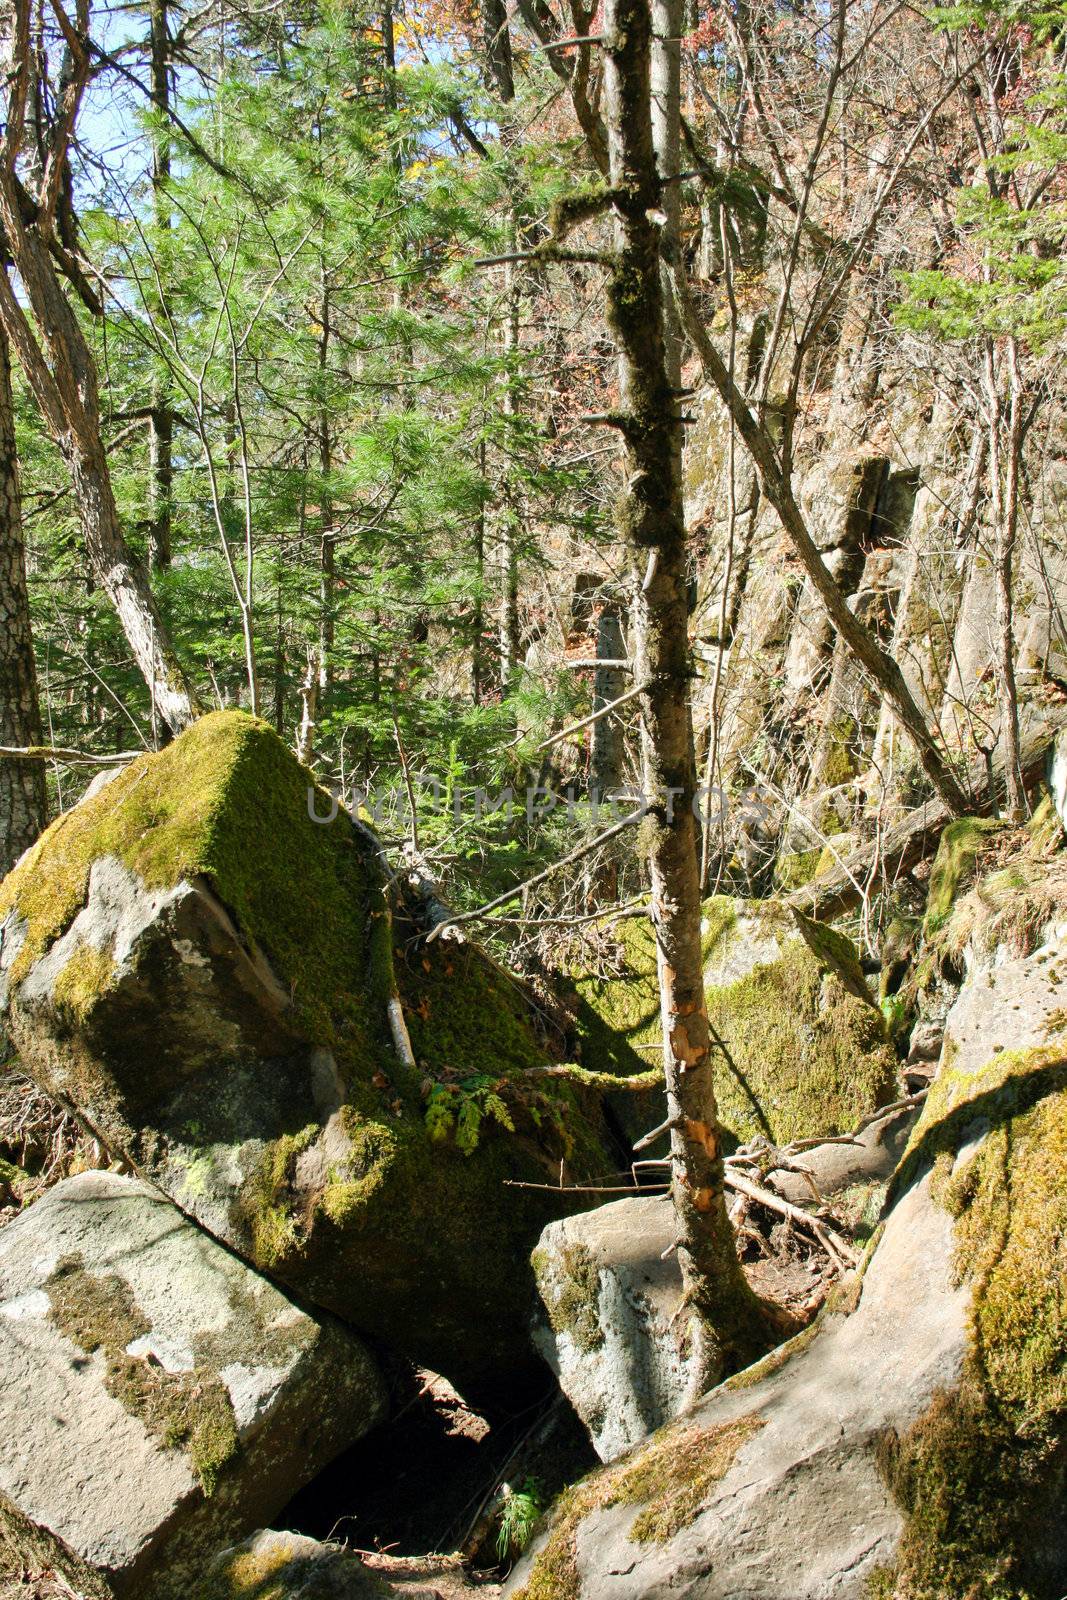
911,1444
802,1050
158,1399
205,972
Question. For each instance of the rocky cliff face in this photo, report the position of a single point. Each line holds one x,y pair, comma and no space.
888,474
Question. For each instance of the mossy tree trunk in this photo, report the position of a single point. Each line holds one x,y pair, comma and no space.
724,1317
23,800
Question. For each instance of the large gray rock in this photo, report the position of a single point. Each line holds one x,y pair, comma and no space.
609,1330
802,1512
909,1445
157,1398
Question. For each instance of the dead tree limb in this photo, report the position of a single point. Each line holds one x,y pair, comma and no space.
917,835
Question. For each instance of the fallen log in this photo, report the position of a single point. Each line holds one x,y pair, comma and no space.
916,836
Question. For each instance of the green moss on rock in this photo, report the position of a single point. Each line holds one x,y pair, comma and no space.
670,1477
803,1056
569,1285
805,1052
981,1475
183,1410
86,976
329,1178
796,868
226,801
961,846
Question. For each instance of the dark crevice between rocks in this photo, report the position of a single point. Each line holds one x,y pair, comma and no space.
429,1479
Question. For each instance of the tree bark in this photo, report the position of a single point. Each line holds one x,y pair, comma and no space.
161,435
724,1317
23,797
605,760
1005,459
498,71
68,398
61,371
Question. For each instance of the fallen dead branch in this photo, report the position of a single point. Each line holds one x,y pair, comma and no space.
827,1236
917,835
69,758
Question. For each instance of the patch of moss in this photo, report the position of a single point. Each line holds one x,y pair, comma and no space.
1045,827
982,1474
464,1014
835,951
775,1359
266,1200
958,852
569,1286
13,1179
859,1206
281,1568
880,1584
839,764
675,1474
187,1410
670,1476
620,1014
250,1575
804,1053
796,868
85,977
804,1056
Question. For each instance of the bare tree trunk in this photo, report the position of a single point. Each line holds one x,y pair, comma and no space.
725,1321
23,797
161,435
61,371
498,71
605,760
1005,457
478,617
510,635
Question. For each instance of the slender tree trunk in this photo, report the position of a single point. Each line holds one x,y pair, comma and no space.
23,797
606,755
478,617
724,1318
1005,458
498,71
161,435
510,634
61,371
